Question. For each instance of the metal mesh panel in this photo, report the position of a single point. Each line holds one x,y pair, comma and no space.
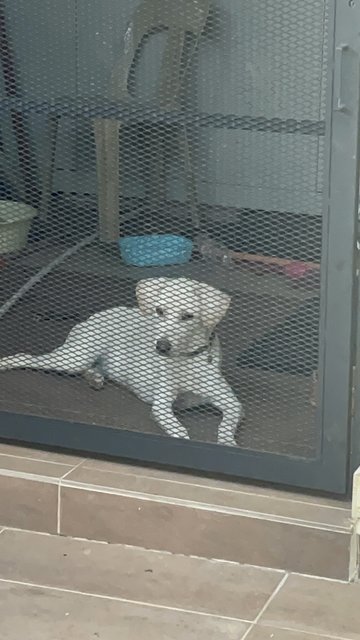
173,153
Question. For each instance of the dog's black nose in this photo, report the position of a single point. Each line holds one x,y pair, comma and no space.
163,346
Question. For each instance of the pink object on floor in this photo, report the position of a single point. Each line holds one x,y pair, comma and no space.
297,270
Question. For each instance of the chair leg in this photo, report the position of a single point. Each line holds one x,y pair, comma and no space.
48,169
191,189
107,163
155,188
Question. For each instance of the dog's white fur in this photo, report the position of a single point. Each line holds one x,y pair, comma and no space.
120,344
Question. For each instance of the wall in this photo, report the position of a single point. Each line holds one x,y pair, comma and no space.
261,59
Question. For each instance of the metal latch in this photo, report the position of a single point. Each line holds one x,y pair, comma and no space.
339,54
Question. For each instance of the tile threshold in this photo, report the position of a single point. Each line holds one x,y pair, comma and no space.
77,499
204,506
64,482
171,553
211,487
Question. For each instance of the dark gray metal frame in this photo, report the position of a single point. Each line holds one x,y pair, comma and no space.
355,423
330,471
339,341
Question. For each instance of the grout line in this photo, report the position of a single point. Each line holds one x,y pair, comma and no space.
37,477
30,531
28,458
245,565
310,576
311,634
58,511
33,477
272,597
58,515
76,466
266,605
124,600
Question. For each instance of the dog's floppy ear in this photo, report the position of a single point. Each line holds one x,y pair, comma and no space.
147,294
214,304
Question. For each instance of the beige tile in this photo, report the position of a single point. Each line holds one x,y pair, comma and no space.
220,496
317,606
43,614
10,465
271,633
201,532
191,479
28,504
135,574
39,454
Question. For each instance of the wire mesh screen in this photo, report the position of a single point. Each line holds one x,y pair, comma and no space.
161,184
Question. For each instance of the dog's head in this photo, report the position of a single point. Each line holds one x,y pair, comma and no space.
187,311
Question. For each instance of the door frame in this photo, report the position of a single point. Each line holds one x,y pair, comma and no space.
330,470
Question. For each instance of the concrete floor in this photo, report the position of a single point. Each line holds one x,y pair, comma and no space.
280,417
60,588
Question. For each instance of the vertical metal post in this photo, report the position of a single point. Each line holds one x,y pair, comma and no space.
340,213
355,404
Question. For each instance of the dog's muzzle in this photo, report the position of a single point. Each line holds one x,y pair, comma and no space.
163,346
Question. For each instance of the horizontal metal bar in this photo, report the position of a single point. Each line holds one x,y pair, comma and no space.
150,114
173,452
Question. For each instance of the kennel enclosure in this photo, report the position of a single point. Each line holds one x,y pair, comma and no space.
231,126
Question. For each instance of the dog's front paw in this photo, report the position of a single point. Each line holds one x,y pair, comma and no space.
181,434
227,441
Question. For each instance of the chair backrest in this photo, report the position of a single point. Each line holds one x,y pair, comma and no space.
178,18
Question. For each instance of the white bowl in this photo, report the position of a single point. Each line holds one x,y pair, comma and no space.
15,223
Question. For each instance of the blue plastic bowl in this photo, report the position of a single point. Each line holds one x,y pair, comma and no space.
155,250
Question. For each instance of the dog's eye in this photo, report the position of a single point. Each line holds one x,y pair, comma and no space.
159,312
187,316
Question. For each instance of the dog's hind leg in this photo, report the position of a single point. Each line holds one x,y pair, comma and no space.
77,354
60,360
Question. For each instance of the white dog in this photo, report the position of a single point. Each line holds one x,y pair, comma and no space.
164,349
